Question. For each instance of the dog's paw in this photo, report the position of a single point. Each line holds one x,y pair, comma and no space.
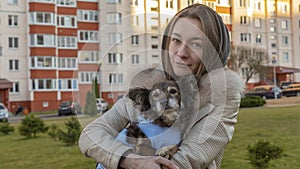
167,152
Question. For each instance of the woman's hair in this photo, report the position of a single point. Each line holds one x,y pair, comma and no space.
215,30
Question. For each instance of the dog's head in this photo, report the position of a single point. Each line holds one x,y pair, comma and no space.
161,101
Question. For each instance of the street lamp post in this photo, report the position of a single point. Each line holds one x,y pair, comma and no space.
274,62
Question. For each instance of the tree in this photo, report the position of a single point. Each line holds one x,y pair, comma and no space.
32,125
95,88
90,107
71,136
262,152
249,61
5,129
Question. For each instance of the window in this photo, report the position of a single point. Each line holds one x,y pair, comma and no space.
67,63
283,8
245,37
15,88
113,1
257,22
67,84
210,4
67,21
154,46
226,18
43,84
114,37
245,20
190,2
66,2
285,56
154,9
44,18
273,45
42,40
115,78
135,59
134,40
13,42
67,42
134,20
88,77
272,29
272,37
12,2
43,62
258,39
242,3
245,71
86,15
42,0
13,20
134,2
285,40
115,58
13,64
88,56
88,36
257,6
272,21
284,24
113,17
169,4
223,2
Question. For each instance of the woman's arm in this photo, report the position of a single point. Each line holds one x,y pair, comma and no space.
97,140
205,142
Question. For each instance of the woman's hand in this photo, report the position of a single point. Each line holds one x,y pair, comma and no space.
133,161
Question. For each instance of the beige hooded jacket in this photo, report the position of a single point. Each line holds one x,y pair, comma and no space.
206,133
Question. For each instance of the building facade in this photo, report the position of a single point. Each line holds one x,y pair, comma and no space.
52,50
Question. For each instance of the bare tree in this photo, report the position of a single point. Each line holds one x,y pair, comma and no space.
249,61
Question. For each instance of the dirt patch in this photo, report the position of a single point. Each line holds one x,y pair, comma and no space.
283,101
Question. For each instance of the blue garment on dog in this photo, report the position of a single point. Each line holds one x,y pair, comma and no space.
159,136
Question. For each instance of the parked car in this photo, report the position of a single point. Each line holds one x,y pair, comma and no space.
265,92
291,90
102,105
3,113
68,108
284,84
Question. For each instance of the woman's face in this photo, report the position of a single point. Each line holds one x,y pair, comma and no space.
185,48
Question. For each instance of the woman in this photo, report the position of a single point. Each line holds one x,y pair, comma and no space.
195,41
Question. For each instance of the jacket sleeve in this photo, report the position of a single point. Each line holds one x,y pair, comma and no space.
204,144
97,140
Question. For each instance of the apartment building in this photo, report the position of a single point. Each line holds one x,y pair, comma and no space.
51,50
271,25
131,32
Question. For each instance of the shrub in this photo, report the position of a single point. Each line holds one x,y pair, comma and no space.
53,131
5,129
261,153
90,104
71,136
252,101
32,125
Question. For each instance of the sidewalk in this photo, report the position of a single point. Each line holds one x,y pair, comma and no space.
284,101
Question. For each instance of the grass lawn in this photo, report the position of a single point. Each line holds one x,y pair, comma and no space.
277,125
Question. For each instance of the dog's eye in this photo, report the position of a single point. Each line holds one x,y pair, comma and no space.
156,94
173,91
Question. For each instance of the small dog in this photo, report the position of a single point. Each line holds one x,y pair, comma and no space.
161,105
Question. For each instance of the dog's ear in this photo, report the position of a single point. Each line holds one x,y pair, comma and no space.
140,98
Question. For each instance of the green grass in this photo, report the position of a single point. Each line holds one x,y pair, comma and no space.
277,125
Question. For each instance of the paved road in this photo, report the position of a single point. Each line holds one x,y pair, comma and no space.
15,119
